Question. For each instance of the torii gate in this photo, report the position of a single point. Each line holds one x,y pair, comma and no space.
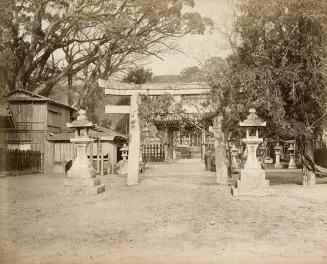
134,91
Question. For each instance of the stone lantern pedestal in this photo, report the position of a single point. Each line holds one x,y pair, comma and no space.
81,178
252,177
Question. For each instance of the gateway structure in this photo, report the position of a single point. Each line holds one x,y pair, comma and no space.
169,122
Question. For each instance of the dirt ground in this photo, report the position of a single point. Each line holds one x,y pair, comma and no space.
175,215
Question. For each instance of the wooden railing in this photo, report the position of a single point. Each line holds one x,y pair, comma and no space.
21,160
153,152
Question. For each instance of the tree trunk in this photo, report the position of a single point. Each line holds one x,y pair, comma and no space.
19,80
306,147
70,89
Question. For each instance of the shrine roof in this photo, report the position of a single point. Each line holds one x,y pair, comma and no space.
175,120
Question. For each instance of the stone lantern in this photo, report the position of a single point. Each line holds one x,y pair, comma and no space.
262,153
146,131
234,153
122,166
124,151
291,150
82,176
252,177
278,153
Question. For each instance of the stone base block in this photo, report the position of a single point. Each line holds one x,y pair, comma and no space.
252,182
252,192
82,186
80,182
86,190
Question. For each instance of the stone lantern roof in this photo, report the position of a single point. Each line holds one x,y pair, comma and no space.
81,121
253,120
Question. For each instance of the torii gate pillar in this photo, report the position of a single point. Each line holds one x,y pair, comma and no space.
134,142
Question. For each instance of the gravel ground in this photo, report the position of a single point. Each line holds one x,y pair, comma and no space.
175,215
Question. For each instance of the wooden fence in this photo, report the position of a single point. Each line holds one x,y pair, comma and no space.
153,153
21,160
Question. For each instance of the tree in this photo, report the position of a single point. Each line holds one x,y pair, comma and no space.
192,74
101,37
138,76
279,68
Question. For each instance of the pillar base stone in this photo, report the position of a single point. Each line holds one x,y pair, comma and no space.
82,186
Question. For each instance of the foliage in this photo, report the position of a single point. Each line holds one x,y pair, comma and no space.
166,78
138,76
192,74
279,67
50,40
117,123
151,107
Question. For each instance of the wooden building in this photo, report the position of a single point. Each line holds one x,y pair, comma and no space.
36,117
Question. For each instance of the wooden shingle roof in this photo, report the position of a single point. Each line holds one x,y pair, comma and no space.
21,95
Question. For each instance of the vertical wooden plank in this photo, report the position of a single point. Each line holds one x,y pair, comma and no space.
114,156
98,156
108,161
101,164
91,153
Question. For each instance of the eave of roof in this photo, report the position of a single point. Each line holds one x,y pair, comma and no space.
35,98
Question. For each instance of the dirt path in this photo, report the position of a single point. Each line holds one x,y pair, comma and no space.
175,215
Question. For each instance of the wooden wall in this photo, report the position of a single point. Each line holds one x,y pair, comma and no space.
63,151
57,117
36,139
31,116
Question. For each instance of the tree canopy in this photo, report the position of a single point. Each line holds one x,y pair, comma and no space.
138,75
278,67
44,41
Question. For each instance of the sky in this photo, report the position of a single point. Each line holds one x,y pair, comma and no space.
197,48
